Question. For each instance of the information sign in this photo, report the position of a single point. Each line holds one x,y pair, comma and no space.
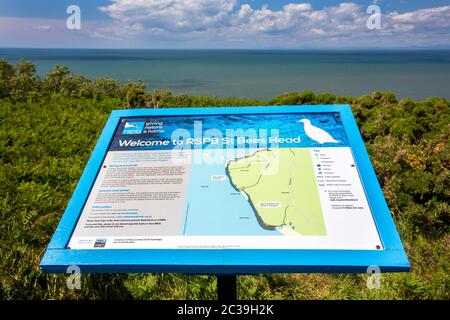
228,191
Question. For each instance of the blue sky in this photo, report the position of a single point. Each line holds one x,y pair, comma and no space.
225,24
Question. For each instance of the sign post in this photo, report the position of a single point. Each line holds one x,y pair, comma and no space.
226,288
228,191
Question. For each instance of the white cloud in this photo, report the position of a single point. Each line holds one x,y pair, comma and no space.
294,23
42,28
173,15
422,20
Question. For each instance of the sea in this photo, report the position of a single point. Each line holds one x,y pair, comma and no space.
258,74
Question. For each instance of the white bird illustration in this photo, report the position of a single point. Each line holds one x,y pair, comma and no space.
317,134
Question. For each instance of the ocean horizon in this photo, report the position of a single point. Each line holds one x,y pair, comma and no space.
257,74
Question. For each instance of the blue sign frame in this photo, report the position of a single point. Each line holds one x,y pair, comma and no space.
392,258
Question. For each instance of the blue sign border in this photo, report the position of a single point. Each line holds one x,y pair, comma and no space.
392,258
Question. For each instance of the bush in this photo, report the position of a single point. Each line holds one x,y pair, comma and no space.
134,93
6,74
106,87
307,97
55,78
325,98
291,98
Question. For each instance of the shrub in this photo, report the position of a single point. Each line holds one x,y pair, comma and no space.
55,78
106,87
134,93
307,97
325,98
6,74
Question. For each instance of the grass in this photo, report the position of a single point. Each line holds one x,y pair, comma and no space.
45,144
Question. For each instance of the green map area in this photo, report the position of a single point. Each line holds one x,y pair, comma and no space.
281,188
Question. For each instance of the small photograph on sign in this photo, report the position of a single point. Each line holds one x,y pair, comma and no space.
100,243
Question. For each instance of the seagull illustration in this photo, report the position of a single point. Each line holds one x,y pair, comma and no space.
317,134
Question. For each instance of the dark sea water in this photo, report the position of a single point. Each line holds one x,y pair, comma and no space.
416,74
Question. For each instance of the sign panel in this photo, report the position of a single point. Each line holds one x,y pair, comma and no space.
229,181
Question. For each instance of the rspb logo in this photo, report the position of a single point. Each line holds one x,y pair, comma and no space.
133,127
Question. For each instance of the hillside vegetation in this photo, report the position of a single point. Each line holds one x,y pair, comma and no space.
49,126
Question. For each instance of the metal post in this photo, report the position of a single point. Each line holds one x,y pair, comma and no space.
226,288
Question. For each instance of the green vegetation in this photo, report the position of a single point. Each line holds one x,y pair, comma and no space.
48,128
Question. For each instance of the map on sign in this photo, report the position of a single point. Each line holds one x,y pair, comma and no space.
235,181
288,200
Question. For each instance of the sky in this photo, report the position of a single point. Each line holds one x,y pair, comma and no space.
222,24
